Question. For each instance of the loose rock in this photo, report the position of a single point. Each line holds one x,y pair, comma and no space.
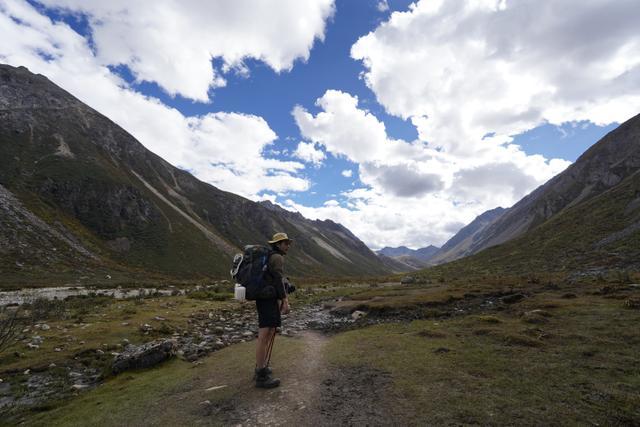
144,356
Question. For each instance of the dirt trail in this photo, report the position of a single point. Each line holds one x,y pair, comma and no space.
295,402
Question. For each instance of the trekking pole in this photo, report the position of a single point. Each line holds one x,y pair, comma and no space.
273,338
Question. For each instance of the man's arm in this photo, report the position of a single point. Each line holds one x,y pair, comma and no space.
276,268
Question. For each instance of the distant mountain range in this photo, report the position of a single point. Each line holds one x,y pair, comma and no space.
80,197
422,254
403,259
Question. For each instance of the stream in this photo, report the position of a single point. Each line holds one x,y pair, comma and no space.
28,295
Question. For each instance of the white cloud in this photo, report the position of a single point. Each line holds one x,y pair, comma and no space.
402,180
224,149
172,43
308,152
415,194
469,75
342,128
347,173
462,69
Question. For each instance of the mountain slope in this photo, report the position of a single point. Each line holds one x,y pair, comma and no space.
586,218
461,244
426,254
602,167
67,169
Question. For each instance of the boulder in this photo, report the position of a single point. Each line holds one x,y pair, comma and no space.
144,356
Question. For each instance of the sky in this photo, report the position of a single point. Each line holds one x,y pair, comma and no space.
401,120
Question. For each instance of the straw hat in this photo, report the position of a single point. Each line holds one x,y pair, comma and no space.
279,237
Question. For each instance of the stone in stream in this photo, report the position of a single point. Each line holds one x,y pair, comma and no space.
144,356
79,387
358,314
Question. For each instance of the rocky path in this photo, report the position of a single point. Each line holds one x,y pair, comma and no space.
295,402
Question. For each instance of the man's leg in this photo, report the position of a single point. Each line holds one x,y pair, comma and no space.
263,348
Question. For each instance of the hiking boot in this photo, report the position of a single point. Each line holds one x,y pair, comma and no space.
255,373
265,380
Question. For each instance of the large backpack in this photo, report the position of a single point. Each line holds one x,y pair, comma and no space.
249,270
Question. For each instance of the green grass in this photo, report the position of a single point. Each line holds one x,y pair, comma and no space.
169,394
579,367
81,324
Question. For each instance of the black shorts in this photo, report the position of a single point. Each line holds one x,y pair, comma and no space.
268,313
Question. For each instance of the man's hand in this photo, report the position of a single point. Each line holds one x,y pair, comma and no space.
284,308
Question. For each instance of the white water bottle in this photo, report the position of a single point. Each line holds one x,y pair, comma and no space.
240,292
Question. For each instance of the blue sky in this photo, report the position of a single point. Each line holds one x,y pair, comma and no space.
375,114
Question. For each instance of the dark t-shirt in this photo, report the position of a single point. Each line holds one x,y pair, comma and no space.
275,273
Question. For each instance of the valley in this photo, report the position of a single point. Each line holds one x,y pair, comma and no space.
453,352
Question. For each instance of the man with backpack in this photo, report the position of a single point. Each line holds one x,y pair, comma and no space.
269,309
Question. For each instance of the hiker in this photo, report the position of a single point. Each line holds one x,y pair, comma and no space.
269,310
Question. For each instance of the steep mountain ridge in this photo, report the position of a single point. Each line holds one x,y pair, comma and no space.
67,168
601,167
585,219
462,243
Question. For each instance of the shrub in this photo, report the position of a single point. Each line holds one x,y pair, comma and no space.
11,323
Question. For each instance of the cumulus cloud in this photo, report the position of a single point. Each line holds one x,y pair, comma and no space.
402,180
505,179
470,75
224,149
308,152
342,128
347,173
172,43
462,69
414,193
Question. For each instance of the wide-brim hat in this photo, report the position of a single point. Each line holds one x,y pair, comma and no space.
279,237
